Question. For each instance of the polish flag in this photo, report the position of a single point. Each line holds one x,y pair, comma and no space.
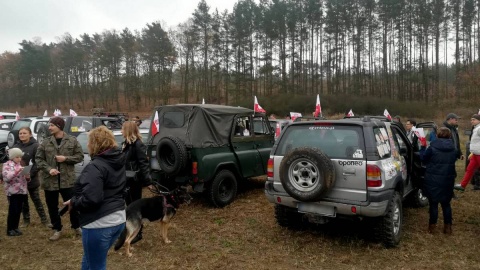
350,113
478,111
73,113
203,101
57,112
257,107
155,125
17,116
318,108
45,113
387,115
295,115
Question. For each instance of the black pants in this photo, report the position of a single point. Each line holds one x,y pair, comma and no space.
35,196
15,203
446,208
51,196
134,191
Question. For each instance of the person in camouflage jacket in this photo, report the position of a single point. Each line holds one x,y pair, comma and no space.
56,158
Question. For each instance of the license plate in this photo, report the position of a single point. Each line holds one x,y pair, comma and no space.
318,209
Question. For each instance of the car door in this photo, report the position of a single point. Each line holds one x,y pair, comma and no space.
430,131
244,145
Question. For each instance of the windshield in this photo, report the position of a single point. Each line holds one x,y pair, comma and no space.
21,123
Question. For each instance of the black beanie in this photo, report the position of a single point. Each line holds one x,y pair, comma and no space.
476,116
58,121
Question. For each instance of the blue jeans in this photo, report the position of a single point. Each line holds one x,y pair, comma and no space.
96,243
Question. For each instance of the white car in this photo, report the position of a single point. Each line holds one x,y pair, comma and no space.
34,123
83,140
5,127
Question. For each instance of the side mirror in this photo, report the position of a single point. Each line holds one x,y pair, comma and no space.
403,151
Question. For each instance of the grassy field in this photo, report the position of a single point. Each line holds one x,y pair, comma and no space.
244,235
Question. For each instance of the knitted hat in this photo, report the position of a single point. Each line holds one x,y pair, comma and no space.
452,115
58,121
14,152
476,116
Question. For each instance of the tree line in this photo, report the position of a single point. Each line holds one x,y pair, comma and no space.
426,50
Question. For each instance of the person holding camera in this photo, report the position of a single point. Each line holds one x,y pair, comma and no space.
56,157
15,189
99,198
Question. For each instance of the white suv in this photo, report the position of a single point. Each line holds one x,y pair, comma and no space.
35,123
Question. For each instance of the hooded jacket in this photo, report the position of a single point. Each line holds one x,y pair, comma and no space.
100,188
475,140
440,173
29,150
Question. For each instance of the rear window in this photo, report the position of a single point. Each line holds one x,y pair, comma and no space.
341,142
173,119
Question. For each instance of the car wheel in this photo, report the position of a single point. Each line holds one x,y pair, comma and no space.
307,173
171,155
418,198
10,139
223,189
390,227
289,218
42,133
3,152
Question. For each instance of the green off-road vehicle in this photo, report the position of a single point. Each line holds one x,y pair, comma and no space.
210,147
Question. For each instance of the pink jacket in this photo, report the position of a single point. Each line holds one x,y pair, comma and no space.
14,183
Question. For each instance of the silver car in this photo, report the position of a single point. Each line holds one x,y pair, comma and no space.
83,140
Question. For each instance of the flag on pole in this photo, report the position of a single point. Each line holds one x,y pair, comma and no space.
295,115
203,101
350,113
17,116
73,113
257,107
318,108
45,113
478,111
389,117
57,112
155,124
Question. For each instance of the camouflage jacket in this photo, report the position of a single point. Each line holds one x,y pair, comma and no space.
45,158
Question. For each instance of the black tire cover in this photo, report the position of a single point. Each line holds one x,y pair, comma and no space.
42,133
307,174
171,155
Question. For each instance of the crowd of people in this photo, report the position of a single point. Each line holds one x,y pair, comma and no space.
96,200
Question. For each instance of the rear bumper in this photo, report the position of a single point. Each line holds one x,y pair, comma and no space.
376,207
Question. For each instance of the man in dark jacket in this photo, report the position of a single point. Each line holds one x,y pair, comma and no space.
452,124
56,157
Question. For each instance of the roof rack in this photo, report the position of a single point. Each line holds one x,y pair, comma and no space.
368,118
309,118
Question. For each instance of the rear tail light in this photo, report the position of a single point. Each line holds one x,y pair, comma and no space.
194,168
270,168
374,176
277,130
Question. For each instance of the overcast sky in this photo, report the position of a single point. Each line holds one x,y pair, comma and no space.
51,19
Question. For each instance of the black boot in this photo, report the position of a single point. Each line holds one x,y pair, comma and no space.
138,237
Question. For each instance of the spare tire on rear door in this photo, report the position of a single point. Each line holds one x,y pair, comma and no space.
42,133
306,174
171,155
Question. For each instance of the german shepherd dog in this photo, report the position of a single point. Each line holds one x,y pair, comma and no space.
161,207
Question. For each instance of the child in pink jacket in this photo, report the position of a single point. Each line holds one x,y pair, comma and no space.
15,188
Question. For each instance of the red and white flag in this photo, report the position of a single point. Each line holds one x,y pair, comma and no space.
350,113
73,113
478,111
203,101
57,112
387,115
45,113
295,115
257,107
17,116
155,125
318,108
